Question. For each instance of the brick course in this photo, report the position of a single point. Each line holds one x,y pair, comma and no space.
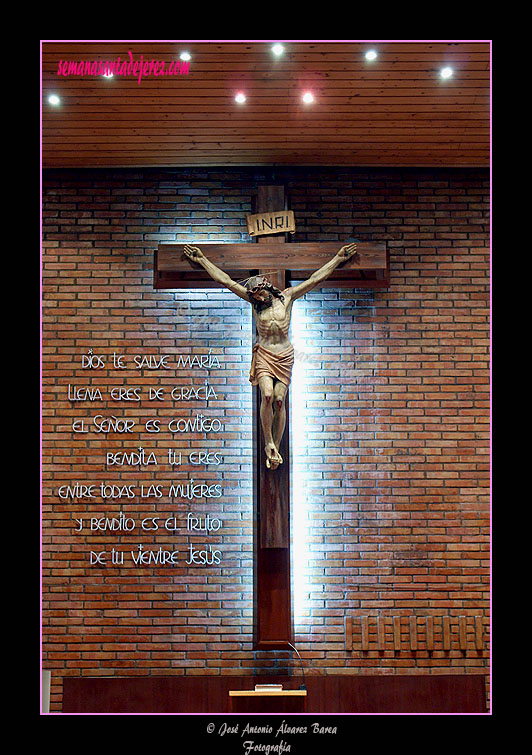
390,415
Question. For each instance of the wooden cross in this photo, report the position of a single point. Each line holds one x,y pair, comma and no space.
291,262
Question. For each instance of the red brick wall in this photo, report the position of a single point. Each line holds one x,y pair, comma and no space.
390,418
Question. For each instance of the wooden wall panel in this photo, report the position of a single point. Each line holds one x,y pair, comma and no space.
395,111
326,694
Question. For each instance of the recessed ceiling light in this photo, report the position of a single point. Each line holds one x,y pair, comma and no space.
185,56
240,97
446,73
108,75
53,99
308,97
371,55
277,49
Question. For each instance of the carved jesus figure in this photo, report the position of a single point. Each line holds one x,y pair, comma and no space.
273,354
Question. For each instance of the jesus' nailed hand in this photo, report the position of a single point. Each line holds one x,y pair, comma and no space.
273,354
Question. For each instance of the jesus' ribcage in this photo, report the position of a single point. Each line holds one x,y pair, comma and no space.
273,330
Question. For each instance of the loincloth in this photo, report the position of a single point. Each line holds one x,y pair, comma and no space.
266,362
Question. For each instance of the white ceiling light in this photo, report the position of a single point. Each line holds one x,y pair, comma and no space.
446,73
308,97
277,49
240,97
53,99
185,56
371,55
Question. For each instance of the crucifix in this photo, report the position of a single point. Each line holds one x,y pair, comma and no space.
246,270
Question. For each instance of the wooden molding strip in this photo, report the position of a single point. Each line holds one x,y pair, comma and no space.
365,633
381,642
397,633
479,633
429,629
446,633
348,633
413,633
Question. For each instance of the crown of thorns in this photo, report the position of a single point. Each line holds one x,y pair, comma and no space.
256,283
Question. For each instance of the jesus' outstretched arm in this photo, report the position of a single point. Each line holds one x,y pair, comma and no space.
196,255
345,253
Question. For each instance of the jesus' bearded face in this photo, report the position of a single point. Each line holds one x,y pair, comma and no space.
261,292
261,295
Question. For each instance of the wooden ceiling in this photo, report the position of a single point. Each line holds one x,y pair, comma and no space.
394,111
